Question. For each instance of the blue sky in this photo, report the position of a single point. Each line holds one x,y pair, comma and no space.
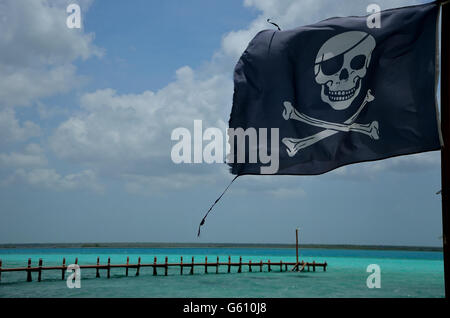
86,117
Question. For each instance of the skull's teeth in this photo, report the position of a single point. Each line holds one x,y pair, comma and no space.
341,95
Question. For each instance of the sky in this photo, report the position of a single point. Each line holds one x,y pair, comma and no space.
86,117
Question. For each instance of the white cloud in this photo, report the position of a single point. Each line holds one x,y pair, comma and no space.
32,156
37,50
11,130
50,179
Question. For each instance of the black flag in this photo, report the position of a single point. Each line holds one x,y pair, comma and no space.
337,92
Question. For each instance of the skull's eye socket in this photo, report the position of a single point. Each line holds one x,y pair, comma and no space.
333,65
358,62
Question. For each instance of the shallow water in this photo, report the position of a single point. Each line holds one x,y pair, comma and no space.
403,274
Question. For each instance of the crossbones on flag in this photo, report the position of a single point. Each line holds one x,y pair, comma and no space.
340,92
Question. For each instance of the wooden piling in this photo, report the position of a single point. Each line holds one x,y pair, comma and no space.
217,265
128,264
165,267
138,266
206,264
281,265
155,272
192,267
63,271
29,278
0,270
268,265
181,265
325,267
229,264
260,265
97,274
76,260
240,265
40,270
250,265
109,268
314,266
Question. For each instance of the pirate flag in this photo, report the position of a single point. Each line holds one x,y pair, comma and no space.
317,97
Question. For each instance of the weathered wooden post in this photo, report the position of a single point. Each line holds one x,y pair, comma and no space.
109,267
0,270
325,267
29,278
138,266
166,267
97,274
260,265
229,264
181,265
63,272
40,270
240,265
281,265
268,263
128,264
155,272
217,265
206,264
250,265
314,266
76,260
192,266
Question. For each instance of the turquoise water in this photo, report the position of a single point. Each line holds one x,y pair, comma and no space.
403,274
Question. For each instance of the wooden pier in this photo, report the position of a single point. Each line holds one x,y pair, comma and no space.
163,267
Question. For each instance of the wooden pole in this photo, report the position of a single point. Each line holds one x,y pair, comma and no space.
260,265
0,270
154,266
97,274
445,152
128,264
296,244
76,260
217,265
166,267
281,265
229,263
240,264
206,264
192,267
40,270
138,266
268,263
29,278
250,265
314,266
63,272
109,267
181,265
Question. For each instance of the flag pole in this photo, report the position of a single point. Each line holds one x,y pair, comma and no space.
445,126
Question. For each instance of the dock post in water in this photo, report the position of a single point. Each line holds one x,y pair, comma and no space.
206,264
109,268
229,264
40,270
240,265
29,278
268,265
128,264
314,266
250,265
138,266
0,270
217,265
97,274
155,272
63,271
192,267
181,265
165,267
